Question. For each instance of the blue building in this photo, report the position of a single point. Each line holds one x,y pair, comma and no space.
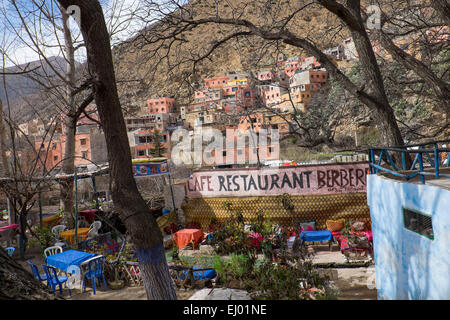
410,213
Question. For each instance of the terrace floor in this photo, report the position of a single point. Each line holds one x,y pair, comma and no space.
351,281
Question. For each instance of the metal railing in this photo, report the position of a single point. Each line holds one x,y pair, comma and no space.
427,156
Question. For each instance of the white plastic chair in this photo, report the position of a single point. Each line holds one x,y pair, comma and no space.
56,230
95,227
50,251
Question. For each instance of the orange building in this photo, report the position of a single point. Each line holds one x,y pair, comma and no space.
254,121
144,143
161,105
216,82
51,152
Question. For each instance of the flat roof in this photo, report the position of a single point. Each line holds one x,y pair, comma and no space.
442,182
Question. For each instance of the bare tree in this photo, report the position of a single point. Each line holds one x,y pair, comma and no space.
134,212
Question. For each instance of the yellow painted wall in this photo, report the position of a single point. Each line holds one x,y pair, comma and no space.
318,208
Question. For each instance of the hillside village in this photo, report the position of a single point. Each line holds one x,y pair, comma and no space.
266,98
269,97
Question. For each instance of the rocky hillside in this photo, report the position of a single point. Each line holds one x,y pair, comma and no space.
145,74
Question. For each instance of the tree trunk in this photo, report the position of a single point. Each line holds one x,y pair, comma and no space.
390,132
4,164
66,190
18,283
143,229
66,186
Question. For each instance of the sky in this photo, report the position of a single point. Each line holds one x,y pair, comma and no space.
22,51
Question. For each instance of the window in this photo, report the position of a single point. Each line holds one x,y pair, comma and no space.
144,139
55,158
418,222
271,149
84,154
240,152
141,152
83,142
224,153
53,145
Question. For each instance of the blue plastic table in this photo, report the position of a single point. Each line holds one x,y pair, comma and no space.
205,274
319,235
67,258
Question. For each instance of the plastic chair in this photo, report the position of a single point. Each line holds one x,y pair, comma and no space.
96,225
96,270
34,269
54,280
10,251
56,230
50,251
94,228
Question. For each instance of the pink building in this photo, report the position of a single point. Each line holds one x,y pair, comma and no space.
291,65
216,82
161,105
271,94
265,75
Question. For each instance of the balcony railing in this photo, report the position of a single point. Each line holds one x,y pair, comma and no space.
427,156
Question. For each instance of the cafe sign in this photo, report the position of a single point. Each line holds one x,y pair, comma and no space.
294,180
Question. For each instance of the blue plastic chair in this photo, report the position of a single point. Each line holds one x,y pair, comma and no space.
10,250
53,279
34,269
96,270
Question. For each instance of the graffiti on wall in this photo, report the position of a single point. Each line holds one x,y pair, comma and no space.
299,180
